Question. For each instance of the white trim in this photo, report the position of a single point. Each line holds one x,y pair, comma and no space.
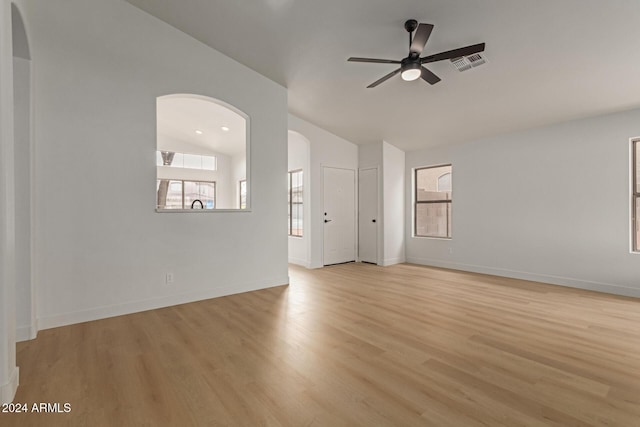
632,184
299,261
104,312
33,202
392,261
23,333
8,390
8,370
608,288
200,211
379,214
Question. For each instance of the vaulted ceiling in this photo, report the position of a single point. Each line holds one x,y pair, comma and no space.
548,61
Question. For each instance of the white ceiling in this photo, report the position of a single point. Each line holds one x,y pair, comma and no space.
180,116
549,61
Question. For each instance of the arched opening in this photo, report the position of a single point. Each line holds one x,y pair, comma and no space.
202,157
23,179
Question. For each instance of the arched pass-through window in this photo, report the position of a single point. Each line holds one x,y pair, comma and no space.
202,152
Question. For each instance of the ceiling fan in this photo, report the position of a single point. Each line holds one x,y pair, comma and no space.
412,67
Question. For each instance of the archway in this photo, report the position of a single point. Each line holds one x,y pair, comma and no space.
25,289
15,259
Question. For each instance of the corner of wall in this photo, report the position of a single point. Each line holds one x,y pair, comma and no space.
8,390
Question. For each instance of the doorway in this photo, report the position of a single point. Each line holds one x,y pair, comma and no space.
339,215
368,215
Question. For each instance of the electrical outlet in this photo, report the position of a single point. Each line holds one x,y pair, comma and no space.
451,251
169,278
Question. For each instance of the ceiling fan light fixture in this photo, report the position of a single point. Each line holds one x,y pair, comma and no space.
411,74
411,70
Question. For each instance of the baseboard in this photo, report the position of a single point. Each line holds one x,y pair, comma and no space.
24,333
8,390
392,261
300,261
523,275
154,303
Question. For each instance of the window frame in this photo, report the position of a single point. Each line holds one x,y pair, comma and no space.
635,195
290,202
242,181
417,202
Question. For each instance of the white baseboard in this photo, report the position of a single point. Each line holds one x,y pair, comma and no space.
523,275
392,261
104,312
299,261
24,333
8,390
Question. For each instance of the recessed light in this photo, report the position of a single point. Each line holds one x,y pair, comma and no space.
199,132
225,129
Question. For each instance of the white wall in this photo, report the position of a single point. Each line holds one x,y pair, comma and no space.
8,368
299,159
393,202
22,110
370,156
391,167
326,149
549,204
101,249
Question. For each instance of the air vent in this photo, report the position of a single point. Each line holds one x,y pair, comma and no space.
465,63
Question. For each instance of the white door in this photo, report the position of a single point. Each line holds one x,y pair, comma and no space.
339,188
368,215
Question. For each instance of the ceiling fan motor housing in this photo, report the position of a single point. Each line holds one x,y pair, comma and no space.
411,25
411,68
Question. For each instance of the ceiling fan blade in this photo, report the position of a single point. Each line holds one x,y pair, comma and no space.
455,53
385,78
374,60
420,38
429,77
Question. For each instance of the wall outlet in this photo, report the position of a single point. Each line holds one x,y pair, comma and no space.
451,251
169,278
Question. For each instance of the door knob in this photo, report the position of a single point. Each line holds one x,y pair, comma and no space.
327,220
373,220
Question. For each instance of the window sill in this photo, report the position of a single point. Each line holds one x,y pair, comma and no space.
200,210
432,237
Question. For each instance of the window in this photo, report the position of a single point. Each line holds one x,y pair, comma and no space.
433,201
187,161
635,196
295,203
202,152
243,194
182,194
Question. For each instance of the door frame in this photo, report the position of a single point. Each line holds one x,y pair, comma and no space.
378,213
355,210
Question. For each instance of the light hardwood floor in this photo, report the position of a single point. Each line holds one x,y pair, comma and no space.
353,345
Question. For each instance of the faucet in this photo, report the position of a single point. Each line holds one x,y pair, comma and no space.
194,202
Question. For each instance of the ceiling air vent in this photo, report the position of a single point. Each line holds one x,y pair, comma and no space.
465,63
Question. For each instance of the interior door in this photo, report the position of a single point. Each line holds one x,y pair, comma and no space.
339,215
368,215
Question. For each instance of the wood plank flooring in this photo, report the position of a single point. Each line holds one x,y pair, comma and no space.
352,345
